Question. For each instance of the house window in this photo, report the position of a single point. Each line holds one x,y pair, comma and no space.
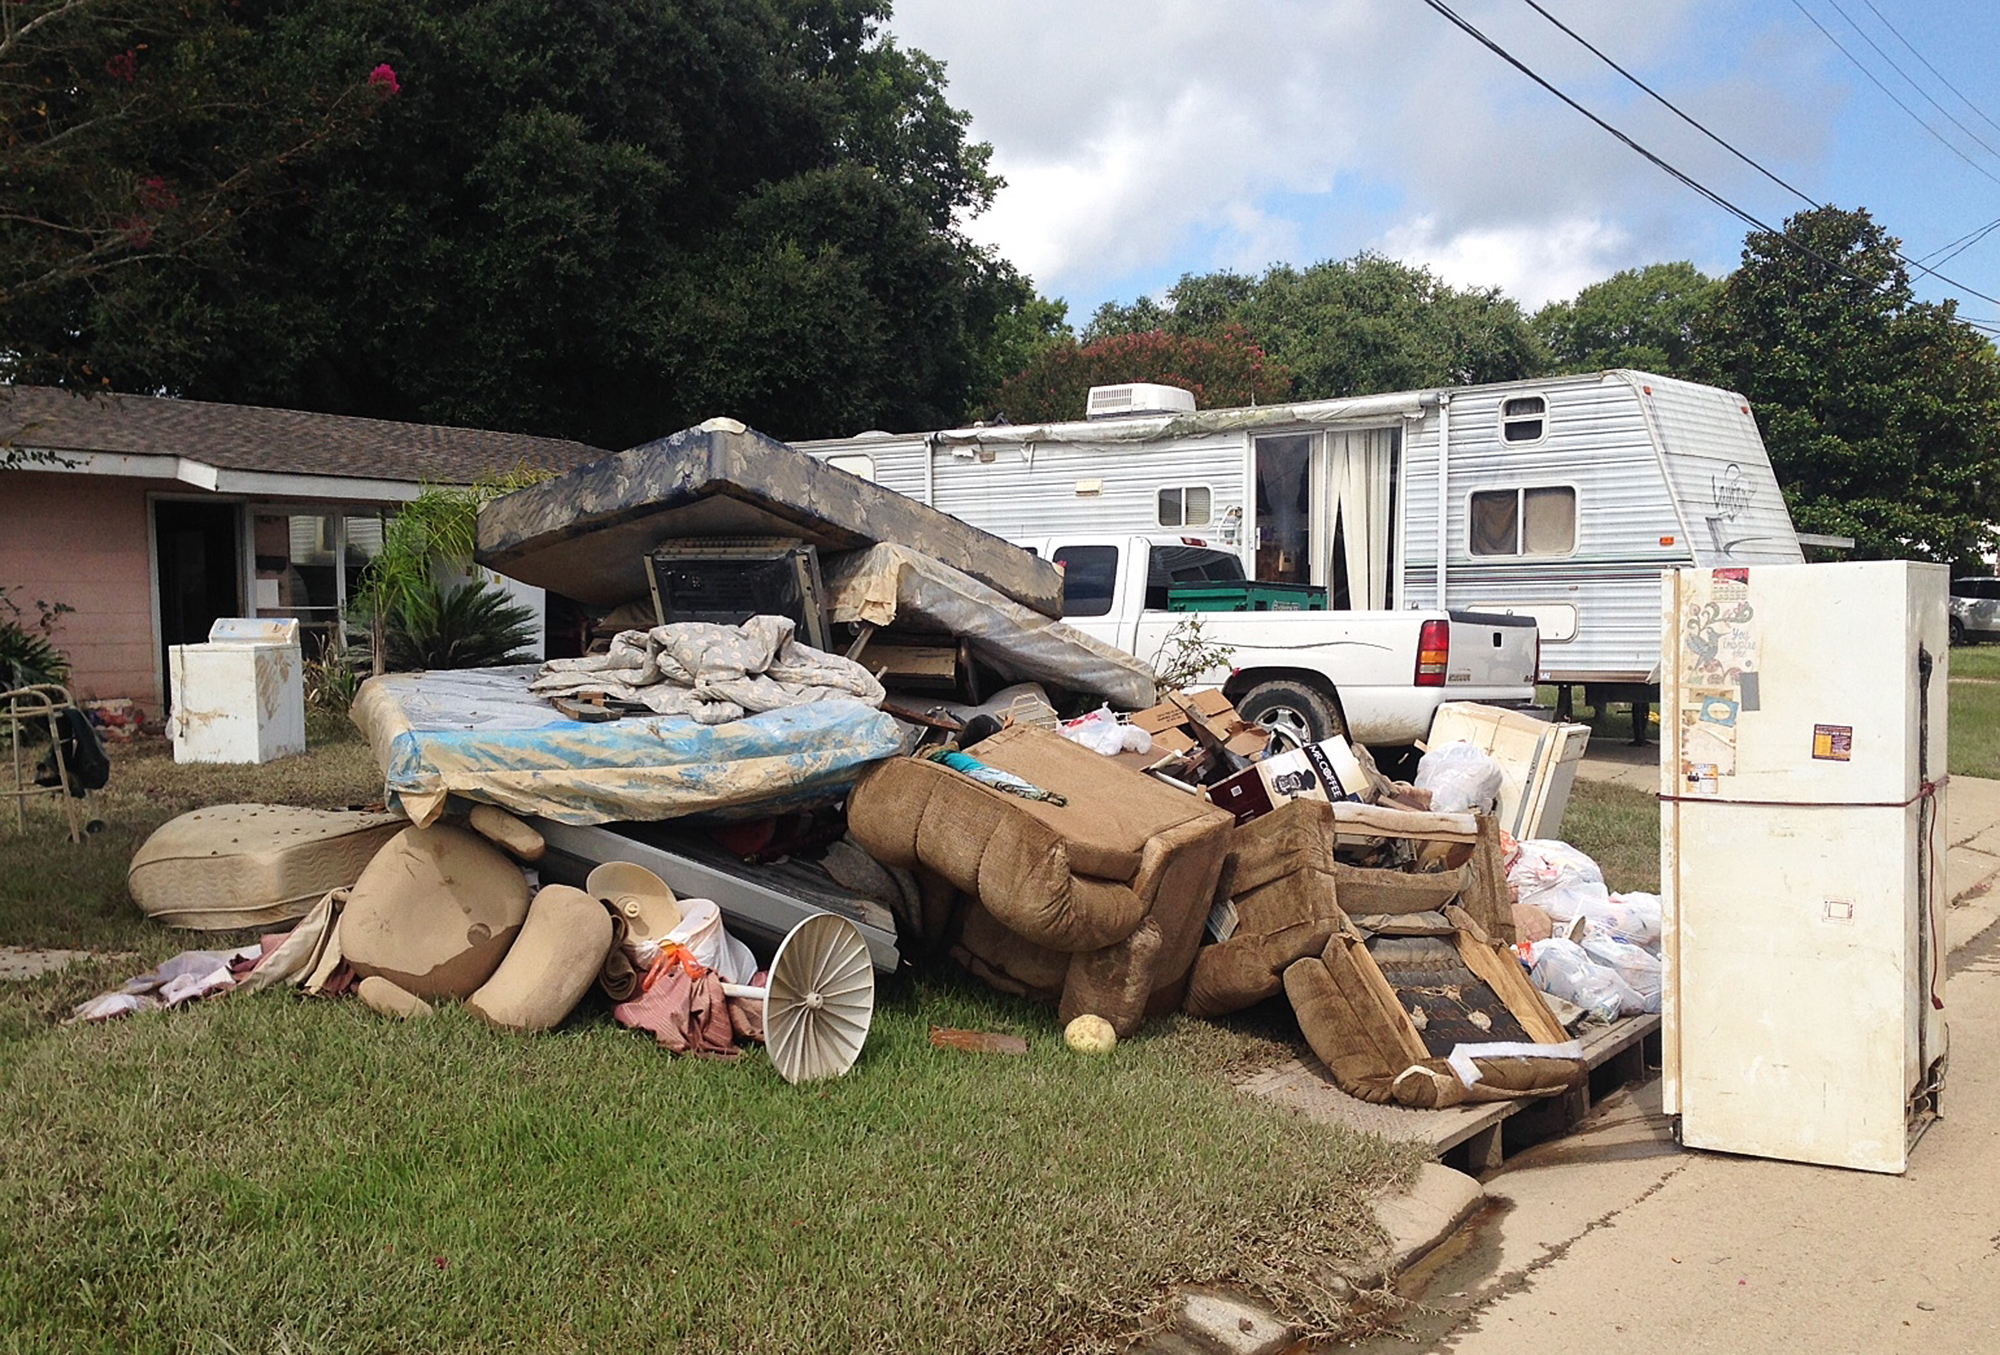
854,463
1538,521
1090,576
1525,418
1186,506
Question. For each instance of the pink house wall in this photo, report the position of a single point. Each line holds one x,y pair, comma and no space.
83,540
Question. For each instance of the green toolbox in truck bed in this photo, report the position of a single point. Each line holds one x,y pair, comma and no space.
1246,595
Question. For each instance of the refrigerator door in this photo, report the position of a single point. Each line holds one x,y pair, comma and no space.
1803,958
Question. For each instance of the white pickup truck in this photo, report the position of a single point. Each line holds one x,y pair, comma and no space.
1377,677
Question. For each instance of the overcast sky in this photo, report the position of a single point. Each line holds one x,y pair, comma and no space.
1141,141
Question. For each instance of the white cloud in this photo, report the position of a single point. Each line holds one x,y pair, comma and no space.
1534,264
1142,140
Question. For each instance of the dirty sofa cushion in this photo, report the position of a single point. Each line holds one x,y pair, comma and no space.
434,912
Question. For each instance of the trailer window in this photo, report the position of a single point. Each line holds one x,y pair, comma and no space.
1090,574
1525,418
1185,506
1539,521
854,463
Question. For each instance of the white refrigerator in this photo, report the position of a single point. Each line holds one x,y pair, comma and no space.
1802,850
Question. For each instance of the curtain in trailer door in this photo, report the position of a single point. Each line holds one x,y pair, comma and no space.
1360,469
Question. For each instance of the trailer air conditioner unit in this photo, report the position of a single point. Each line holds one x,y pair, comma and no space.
1137,397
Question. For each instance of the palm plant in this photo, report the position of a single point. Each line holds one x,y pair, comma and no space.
419,619
28,657
475,625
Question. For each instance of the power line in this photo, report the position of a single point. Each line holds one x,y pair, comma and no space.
1466,27
1668,104
1914,115
1906,76
1932,69
1964,243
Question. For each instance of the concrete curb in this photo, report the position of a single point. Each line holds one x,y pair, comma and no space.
1416,1219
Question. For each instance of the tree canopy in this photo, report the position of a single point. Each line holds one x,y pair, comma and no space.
603,219
1641,317
1349,327
1881,413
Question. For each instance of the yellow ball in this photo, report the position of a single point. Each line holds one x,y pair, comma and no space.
1090,1035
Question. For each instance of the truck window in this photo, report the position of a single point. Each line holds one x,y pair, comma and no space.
1540,521
1090,576
1169,565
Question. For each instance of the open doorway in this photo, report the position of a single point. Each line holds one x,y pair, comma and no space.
199,564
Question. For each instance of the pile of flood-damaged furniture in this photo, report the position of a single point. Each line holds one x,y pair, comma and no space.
812,695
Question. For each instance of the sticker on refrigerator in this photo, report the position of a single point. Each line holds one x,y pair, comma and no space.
1708,729
1700,778
1833,743
1718,632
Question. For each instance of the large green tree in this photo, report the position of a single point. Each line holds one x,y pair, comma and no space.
1881,412
1642,317
136,136
1349,327
598,218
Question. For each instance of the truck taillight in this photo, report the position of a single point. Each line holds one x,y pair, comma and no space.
1433,653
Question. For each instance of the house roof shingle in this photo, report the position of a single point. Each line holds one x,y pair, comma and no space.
280,441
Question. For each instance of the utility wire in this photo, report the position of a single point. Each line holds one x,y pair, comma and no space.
1932,69
1907,78
1872,78
1965,242
1466,27
1668,104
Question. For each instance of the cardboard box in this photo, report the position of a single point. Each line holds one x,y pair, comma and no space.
1319,771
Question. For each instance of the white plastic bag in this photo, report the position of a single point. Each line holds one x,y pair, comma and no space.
1639,967
1459,777
1567,970
1558,879
1102,732
1634,917
702,932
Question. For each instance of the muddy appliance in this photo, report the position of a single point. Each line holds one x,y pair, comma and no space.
241,696
1802,858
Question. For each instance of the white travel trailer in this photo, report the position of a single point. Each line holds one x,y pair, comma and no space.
1563,498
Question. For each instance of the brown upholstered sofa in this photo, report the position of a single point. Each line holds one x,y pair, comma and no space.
1097,904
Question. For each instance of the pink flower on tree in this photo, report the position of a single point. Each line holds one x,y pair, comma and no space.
124,66
383,77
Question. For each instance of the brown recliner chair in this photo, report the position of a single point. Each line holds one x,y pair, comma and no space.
1097,904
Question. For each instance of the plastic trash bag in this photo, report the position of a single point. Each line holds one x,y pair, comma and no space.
1101,732
1567,970
1558,879
1459,777
1639,967
702,932
1635,917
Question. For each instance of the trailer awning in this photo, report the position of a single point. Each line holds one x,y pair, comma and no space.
1361,409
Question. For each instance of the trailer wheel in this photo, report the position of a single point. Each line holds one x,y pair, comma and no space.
1295,707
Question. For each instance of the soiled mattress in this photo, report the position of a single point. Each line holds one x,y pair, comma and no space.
480,734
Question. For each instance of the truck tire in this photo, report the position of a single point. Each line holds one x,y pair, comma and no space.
1296,707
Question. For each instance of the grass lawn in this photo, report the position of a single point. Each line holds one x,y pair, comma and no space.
1975,711
269,1173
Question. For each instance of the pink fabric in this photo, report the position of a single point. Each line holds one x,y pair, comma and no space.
687,1015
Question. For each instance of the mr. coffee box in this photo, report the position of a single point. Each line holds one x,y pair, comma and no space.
1327,770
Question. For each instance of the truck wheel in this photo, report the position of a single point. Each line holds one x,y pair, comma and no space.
1281,703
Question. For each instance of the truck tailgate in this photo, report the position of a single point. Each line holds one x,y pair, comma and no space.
1489,650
